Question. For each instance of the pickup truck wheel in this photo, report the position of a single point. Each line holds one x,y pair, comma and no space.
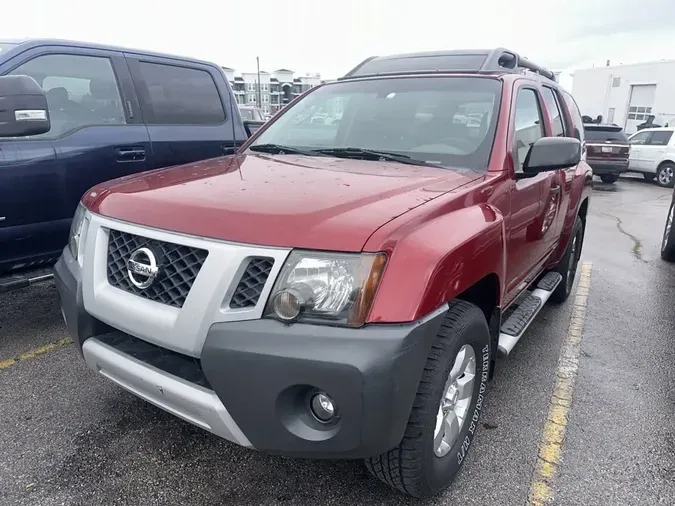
609,178
665,175
668,242
568,265
446,409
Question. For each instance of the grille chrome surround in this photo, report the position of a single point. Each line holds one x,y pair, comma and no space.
179,267
252,283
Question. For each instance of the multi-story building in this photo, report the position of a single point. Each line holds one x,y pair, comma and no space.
275,89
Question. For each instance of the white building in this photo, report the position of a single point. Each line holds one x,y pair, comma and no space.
276,89
628,94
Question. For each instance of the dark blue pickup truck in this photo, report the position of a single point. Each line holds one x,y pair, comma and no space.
113,112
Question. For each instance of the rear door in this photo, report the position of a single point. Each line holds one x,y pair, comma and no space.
553,101
96,135
184,109
654,149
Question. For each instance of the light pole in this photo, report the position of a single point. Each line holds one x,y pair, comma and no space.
257,60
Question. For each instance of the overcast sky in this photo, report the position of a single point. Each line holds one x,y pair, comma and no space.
331,36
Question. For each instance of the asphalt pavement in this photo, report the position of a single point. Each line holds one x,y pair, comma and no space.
69,437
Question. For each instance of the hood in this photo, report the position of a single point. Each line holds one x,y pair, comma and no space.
275,200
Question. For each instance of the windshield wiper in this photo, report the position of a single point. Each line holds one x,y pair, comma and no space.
371,154
279,149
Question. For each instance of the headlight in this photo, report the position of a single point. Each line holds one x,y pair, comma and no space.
330,288
76,230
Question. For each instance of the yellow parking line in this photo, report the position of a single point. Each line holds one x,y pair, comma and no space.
553,433
4,364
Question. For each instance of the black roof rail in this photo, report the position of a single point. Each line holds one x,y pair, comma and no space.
483,61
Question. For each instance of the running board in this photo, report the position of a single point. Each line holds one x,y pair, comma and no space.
516,324
25,279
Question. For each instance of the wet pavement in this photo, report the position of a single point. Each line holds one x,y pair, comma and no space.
69,437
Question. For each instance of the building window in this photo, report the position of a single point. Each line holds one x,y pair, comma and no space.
616,82
250,86
265,87
266,99
251,98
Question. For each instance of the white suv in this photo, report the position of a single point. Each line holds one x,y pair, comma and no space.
652,153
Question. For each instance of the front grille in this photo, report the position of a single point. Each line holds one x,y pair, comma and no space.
252,283
177,364
178,267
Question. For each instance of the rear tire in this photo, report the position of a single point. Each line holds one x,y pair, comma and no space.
665,175
568,265
424,463
668,241
609,178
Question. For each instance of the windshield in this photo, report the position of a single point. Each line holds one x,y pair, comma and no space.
447,121
599,134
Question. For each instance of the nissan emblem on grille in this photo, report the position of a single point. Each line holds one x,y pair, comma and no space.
142,268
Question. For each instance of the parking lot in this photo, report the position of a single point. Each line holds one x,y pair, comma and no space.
70,437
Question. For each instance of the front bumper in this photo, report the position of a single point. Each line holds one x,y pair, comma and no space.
258,375
602,167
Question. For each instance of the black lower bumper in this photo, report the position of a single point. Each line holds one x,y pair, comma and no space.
265,373
603,167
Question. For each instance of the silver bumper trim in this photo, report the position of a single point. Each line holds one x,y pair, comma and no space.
192,403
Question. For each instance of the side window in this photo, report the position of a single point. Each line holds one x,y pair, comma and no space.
81,91
529,126
554,113
577,120
660,138
181,95
640,138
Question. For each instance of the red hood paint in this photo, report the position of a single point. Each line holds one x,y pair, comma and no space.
275,200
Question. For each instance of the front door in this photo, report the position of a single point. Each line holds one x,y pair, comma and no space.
97,134
535,201
637,143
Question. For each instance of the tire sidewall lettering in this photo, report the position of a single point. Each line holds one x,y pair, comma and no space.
484,372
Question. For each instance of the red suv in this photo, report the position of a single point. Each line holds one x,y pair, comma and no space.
342,289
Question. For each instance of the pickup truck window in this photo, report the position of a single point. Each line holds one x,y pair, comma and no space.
81,91
529,124
446,121
181,95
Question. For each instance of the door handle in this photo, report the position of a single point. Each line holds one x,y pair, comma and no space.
554,190
130,154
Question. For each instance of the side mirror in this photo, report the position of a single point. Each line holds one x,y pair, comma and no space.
23,107
552,153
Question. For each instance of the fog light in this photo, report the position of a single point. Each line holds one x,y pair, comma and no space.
322,407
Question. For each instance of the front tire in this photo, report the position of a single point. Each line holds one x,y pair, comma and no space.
568,265
665,175
668,241
609,178
446,409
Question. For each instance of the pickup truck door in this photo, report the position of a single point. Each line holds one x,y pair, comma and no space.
187,108
535,200
96,135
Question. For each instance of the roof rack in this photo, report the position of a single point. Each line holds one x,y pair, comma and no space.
482,61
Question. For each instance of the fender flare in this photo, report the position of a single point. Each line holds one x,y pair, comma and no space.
438,261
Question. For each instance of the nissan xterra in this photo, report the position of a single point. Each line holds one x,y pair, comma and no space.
342,289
